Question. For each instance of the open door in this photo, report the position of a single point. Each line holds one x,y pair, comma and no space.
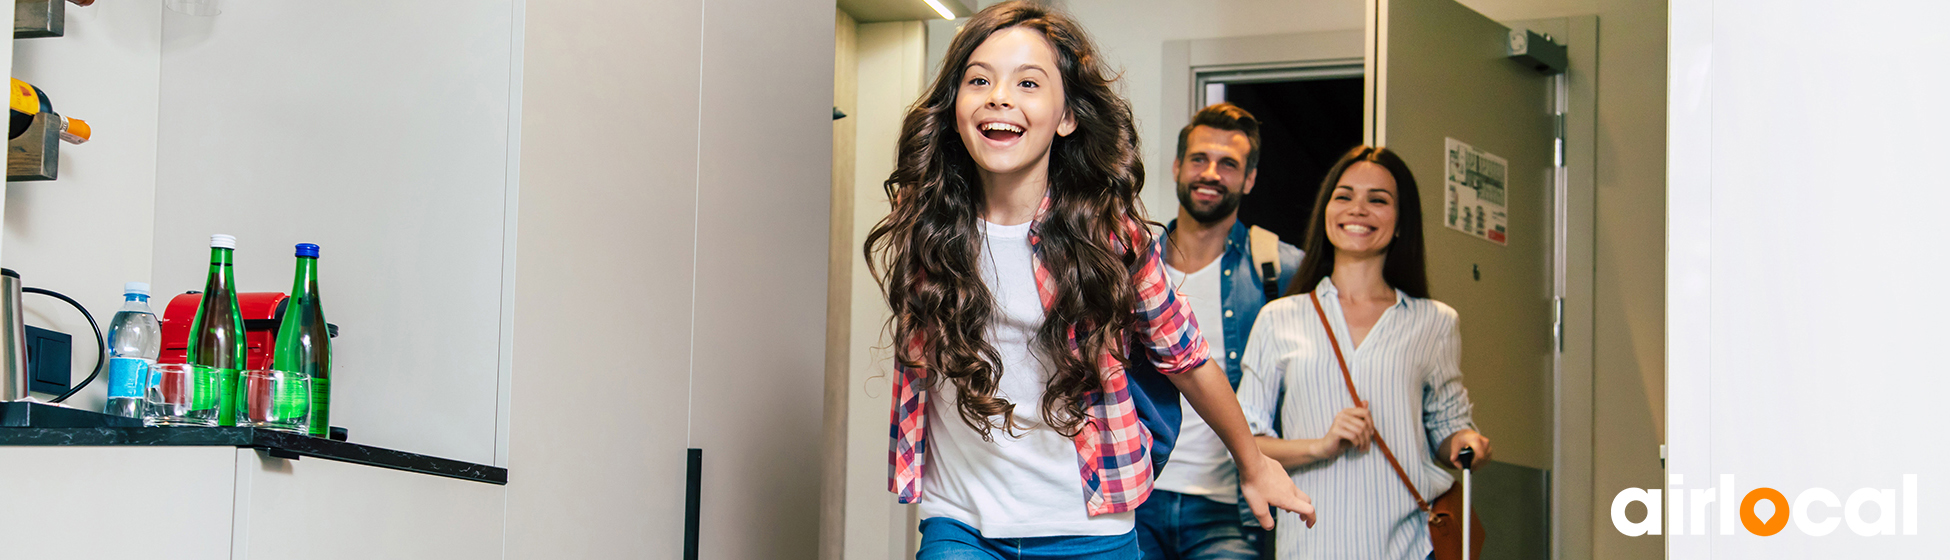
1444,94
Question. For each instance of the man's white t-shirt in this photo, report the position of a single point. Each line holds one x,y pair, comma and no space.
1029,484
1200,465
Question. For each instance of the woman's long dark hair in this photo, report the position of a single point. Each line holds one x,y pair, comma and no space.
925,252
1404,266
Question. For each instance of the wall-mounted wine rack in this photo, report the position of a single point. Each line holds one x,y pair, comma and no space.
39,18
35,154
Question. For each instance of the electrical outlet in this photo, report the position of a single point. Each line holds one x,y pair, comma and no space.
50,360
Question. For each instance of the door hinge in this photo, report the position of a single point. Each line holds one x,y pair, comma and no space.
1557,158
1557,324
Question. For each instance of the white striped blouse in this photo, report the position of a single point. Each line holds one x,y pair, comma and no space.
1407,369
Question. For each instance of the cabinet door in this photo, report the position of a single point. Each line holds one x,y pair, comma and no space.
328,510
154,503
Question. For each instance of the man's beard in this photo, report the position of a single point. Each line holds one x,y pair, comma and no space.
1219,210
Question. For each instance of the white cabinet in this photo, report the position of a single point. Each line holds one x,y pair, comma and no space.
202,503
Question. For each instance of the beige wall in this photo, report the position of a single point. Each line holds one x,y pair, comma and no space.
1629,298
671,282
839,290
606,215
889,58
1628,315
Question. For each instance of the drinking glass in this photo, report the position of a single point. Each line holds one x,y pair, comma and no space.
278,400
182,395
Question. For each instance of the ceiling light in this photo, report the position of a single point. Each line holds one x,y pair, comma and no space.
940,9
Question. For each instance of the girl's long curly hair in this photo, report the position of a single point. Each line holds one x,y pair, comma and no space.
925,253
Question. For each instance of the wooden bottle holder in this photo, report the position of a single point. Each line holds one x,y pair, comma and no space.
36,154
39,18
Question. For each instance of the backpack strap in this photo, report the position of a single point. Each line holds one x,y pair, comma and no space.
1266,260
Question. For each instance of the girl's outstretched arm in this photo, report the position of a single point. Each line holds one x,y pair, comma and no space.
1263,480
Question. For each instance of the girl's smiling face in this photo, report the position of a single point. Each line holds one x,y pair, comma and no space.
1361,212
1009,107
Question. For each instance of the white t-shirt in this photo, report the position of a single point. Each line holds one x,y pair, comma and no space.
1027,485
1200,465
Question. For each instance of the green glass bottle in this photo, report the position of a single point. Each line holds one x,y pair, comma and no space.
304,345
217,333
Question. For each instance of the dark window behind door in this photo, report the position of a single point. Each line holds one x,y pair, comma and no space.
1304,126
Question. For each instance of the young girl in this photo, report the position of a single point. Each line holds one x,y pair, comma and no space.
1022,281
1364,270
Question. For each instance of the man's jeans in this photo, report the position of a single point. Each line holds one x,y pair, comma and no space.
1174,526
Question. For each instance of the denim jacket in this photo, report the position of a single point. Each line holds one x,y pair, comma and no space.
1241,289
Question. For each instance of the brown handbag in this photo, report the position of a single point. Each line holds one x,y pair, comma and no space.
1444,532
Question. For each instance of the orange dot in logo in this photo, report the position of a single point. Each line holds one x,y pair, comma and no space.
1753,523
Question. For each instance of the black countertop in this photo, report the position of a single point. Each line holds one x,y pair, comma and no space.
278,444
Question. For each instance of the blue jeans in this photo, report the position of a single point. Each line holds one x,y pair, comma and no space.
1174,526
947,539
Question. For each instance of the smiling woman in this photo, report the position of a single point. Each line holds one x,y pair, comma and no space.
1364,268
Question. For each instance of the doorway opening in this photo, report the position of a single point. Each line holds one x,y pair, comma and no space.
1308,117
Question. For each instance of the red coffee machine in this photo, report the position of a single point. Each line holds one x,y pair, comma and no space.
262,313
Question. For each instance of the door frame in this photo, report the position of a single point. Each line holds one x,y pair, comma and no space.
1188,65
1204,78
1575,199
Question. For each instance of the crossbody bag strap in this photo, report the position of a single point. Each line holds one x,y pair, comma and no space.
1349,377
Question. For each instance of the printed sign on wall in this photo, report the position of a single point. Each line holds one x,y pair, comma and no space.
1474,197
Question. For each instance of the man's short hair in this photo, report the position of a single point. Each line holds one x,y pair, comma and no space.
1225,116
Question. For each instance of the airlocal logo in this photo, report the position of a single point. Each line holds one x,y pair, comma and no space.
1688,511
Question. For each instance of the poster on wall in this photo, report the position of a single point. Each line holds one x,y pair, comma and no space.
1474,197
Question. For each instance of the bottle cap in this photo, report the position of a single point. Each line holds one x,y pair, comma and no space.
222,241
307,250
75,131
136,288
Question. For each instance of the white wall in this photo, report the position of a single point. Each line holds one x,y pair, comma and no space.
269,123
389,148
1806,231
87,233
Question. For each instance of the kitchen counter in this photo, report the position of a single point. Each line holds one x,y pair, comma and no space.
275,443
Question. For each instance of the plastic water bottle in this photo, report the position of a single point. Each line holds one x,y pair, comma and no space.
134,341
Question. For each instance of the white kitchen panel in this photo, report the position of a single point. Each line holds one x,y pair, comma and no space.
154,503
328,510
380,131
